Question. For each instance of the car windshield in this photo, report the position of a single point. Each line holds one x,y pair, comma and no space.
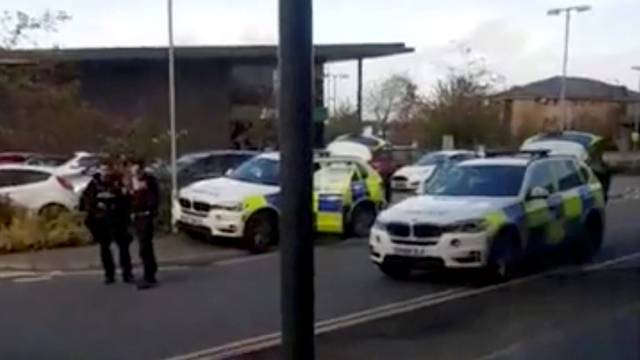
432,159
258,170
484,180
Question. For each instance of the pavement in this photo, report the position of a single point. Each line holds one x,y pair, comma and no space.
231,308
171,250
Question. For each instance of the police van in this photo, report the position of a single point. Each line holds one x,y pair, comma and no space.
491,213
245,204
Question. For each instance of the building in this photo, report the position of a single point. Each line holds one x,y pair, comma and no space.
215,85
594,106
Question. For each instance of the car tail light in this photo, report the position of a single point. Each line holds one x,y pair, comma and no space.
64,183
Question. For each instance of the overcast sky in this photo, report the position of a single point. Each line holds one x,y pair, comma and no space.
517,38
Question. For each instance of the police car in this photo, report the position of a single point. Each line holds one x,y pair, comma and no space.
491,213
245,204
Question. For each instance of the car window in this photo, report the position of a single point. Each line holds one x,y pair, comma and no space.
89,161
364,173
542,176
22,177
488,180
567,174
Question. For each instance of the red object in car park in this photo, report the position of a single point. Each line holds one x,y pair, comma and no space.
14,158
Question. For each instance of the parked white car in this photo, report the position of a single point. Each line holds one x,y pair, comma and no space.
37,188
410,177
80,162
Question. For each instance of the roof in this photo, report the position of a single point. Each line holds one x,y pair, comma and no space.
497,161
585,139
46,169
577,89
276,157
328,52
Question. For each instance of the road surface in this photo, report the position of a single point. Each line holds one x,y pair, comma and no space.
233,306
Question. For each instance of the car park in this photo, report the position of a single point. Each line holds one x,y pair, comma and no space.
410,177
245,204
37,188
492,213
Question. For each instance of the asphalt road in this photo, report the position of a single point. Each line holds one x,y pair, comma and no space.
75,316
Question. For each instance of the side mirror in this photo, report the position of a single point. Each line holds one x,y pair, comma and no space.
539,193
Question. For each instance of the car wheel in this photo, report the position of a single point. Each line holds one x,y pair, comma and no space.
361,221
395,271
504,256
52,212
261,231
591,239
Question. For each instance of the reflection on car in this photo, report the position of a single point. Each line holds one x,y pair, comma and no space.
411,176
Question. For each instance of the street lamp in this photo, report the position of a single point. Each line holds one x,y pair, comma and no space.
172,104
563,89
333,83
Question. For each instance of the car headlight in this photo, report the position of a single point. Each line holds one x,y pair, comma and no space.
228,206
468,226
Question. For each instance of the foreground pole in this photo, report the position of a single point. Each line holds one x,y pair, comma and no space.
296,223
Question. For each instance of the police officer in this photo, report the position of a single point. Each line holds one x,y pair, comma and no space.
106,205
145,199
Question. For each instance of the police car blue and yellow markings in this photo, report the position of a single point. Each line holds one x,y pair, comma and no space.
547,222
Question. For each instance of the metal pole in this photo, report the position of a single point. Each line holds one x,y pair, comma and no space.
296,221
172,106
360,91
335,93
565,63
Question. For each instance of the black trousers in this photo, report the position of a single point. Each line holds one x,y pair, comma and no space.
144,229
105,233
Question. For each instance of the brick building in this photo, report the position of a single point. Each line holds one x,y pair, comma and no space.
594,106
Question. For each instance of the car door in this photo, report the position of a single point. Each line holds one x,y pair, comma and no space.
572,189
25,187
540,213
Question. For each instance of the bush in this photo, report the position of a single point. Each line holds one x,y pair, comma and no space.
20,230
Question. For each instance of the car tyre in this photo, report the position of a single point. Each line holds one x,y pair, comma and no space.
362,220
395,271
261,232
504,256
591,239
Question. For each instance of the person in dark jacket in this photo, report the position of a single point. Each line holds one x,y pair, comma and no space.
145,201
107,217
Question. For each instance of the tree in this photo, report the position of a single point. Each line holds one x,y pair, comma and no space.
41,108
344,121
392,99
19,28
460,105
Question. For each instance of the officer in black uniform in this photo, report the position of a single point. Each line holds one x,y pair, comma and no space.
107,207
145,199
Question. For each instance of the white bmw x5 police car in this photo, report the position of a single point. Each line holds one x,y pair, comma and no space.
491,213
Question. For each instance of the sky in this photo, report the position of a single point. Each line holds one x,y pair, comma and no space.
516,38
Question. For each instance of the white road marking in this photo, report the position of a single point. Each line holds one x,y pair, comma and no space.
502,352
614,261
245,259
16,274
266,341
33,279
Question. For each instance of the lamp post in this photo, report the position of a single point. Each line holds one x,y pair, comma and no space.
565,62
172,104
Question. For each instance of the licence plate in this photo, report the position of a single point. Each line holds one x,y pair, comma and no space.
411,252
191,220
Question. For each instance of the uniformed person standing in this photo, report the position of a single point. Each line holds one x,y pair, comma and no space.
145,199
106,205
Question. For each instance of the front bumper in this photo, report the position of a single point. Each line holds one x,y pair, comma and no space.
471,250
220,223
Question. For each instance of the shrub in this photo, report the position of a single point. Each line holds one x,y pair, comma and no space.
21,230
